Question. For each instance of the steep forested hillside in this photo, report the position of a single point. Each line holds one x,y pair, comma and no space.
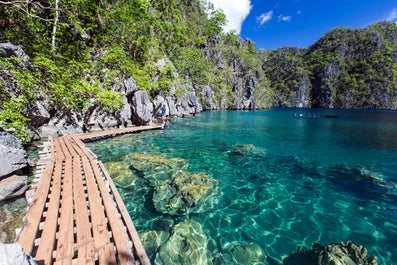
79,64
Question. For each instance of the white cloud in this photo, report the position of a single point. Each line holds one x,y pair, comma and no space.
264,18
235,10
393,15
284,18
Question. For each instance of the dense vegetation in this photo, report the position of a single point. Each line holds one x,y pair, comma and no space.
79,49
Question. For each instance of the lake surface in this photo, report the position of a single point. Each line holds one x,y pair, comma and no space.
279,181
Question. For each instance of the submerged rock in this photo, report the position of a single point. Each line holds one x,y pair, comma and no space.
120,174
362,183
187,245
157,169
332,254
243,253
12,213
245,149
152,240
185,193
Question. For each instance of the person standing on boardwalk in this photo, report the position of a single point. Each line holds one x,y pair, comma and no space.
163,112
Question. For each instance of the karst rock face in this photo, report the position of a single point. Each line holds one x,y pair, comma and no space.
346,68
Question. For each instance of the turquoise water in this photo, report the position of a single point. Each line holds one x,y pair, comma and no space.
282,181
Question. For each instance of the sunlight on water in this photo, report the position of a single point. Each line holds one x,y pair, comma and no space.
239,187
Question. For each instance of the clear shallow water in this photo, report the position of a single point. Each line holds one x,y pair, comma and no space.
284,181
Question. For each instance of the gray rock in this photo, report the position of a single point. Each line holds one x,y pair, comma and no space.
142,108
172,106
9,49
13,186
189,104
97,119
63,124
12,155
13,254
332,254
38,113
208,94
126,113
158,102
129,86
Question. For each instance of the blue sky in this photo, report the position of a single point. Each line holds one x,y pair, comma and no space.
272,24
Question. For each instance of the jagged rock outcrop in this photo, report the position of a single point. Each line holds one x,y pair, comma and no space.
62,123
332,254
127,89
142,108
38,113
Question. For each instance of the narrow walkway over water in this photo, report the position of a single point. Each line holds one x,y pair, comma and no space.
77,215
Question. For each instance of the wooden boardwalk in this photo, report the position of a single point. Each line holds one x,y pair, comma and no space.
77,215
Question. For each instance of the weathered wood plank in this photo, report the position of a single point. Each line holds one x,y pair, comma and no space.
65,246
48,236
35,212
85,240
138,246
123,244
98,218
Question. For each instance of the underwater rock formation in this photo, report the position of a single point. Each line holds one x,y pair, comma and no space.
186,193
187,245
332,254
245,149
121,174
152,240
11,218
157,169
362,183
242,253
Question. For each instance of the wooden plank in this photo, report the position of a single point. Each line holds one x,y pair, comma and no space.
111,230
65,243
98,218
48,236
34,214
138,246
58,152
84,239
80,148
123,244
70,145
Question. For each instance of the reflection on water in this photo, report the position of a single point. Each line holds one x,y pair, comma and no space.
249,187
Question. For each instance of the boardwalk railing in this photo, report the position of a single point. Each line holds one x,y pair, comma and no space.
77,215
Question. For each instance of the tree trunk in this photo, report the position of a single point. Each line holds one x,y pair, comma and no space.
54,28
